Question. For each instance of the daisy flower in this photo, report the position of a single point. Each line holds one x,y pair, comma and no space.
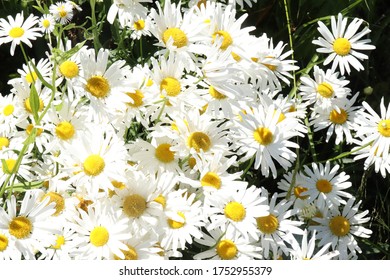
374,130
31,225
142,248
156,157
103,84
339,228
292,187
227,245
325,185
10,113
196,133
47,23
94,165
137,201
19,31
8,167
340,122
324,89
127,11
343,43
238,209
277,229
102,231
62,12
306,249
260,134
181,222
212,176
176,31
8,249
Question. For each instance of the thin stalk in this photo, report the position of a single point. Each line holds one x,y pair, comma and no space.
290,37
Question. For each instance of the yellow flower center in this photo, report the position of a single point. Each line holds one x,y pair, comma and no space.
211,179
93,165
236,57
342,46
338,118
227,39
267,224
325,90
191,162
9,166
31,77
59,242
16,32
99,236
46,23
4,142
226,249
384,128
62,12
3,242
20,227
58,200
98,86
263,136
178,36
134,205
137,97
298,190
130,254
8,110
199,140
27,105
139,24
30,128
235,211
215,93
161,199
324,186
339,226
171,86
69,69
65,130
164,154
176,224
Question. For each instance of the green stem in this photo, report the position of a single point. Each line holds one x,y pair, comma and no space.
95,31
290,37
311,141
345,154
250,163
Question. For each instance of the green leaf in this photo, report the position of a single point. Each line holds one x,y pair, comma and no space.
34,102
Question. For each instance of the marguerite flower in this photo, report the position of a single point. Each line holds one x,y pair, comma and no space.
62,11
19,31
343,43
339,228
47,23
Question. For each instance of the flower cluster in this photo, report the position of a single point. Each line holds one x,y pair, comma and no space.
101,159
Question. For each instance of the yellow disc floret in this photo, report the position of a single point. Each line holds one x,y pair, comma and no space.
176,224
164,154
69,69
9,166
342,46
384,128
4,142
58,200
267,224
93,165
16,32
178,36
27,105
134,205
59,242
3,242
99,236
226,249
65,130
339,226
263,136
338,117
98,86
211,179
324,186
227,39
130,254
20,227
8,110
235,211
325,90
199,140
171,86
215,93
